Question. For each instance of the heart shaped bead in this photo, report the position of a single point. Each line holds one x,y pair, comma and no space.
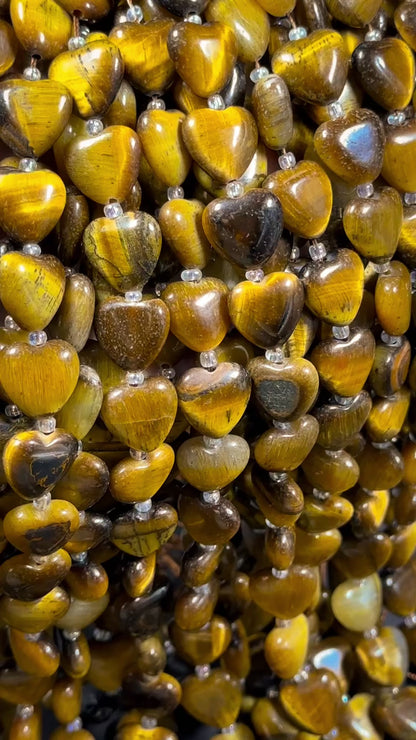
405,22
34,462
80,411
279,498
405,247
125,249
214,401
92,74
31,203
204,55
208,523
353,12
203,645
339,422
284,447
180,221
334,472
244,230
39,379
315,548
334,287
393,299
361,558
141,535
42,26
31,288
386,71
394,712
141,416
344,366
357,603
138,479
249,22
208,468
272,110
222,142
41,532
314,68
106,165
8,46
143,48
314,703
160,133
267,312
305,193
132,332
33,114
34,616
287,594
284,390
388,415
373,225
28,577
286,646
400,156
85,483
73,320
198,312
214,699
352,146
39,656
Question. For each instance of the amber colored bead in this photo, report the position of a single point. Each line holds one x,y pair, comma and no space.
123,109
203,645
370,509
267,312
404,543
222,142
236,658
405,247
386,70
18,687
138,732
313,704
8,46
34,616
405,22
135,480
387,416
81,409
29,577
305,193
273,111
394,712
156,696
85,482
285,447
314,548
87,582
361,558
195,607
280,546
249,22
61,733
81,613
185,98
354,13
138,575
143,48
400,156
238,732
405,502
337,143
27,725
357,603
390,367
151,656
268,719
286,646
160,136
109,661
314,68
286,594
334,471
132,332
42,28
356,714
75,655
207,468
380,467
384,658
303,335
393,299
34,462
213,700
199,563
284,390
280,499
204,55
399,590
74,318
41,532
198,312
66,699
140,536
69,229
321,515
39,656
339,423
374,224
345,365
208,523
334,287
180,221
92,74
134,413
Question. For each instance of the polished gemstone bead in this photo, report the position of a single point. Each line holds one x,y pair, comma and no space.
203,645
386,70
399,156
32,530
141,534
320,515
393,299
399,590
380,467
394,712
279,498
180,221
340,422
134,479
29,577
143,48
249,22
285,595
198,312
334,287
373,225
333,471
313,703
195,607
38,657
385,658
42,28
273,111
199,563
284,390
286,646
357,603
207,468
345,365
163,146
387,416
208,523
34,616
81,409
284,447
214,699
314,548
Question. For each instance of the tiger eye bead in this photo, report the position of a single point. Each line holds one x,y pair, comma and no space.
387,416
286,595
85,483
32,530
374,224
34,616
180,221
38,656
280,546
284,390
344,366
334,471
66,699
199,563
75,656
390,367
203,645
330,513
29,577
279,498
380,466
361,558
370,509
27,724
42,28
150,69
87,582
135,480
338,422
208,523
392,88
286,645
357,603
249,22
195,607
393,299
273,111
284,447
354,12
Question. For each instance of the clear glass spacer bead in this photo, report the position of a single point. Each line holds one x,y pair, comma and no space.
12,411
113,209
168,371
234,189
134,14
255,276
4,247
396,118
38,338
208,360
75,725
135,377
343,400
148,723
10,324
143,507
341,332
374,34
381,267
259,73
275,355
390,340
28,164
193,18
287,161
317,251
94,126
295,254
24,711
279,573
133,296
71,635
297,33
216,102
211,443
320,495
193,275
156,104
32,249
84,31
409,199
32,73
203,671
336,110
42,503
175,193
76,42
277,477
138,454
211,497
46,424
366,190
229,730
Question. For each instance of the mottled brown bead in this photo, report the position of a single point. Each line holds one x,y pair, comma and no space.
284,390
321,515
273,111
202,645
284,447
208,523
286,595
345,365
386,70
195,607
390,367
39,532
380,467
279,498
29,577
